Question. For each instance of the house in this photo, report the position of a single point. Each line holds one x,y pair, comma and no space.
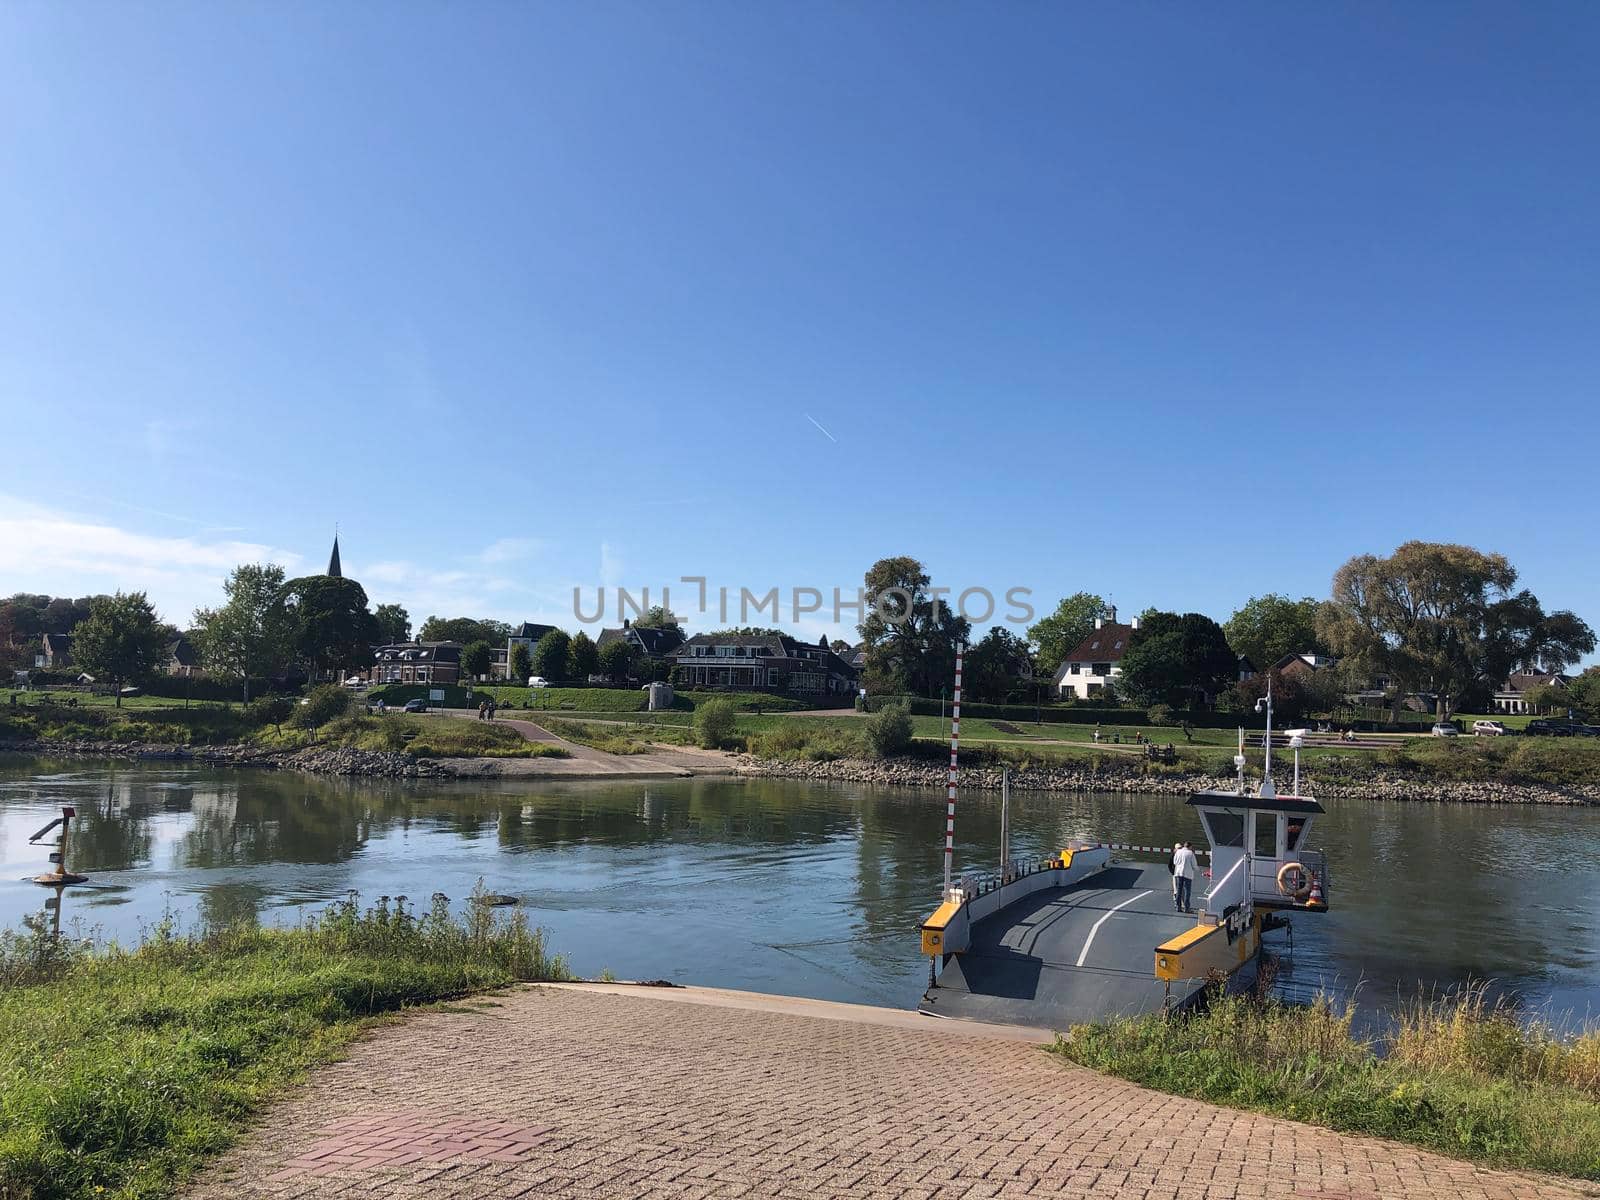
762,662
1511,697
1095,661
650,645
527,634
417,662
54,653
183,659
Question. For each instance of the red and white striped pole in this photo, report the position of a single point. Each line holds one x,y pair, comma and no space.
950,802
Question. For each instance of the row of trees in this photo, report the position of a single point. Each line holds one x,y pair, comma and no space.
1438,619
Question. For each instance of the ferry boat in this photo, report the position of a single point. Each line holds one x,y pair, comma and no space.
1093,932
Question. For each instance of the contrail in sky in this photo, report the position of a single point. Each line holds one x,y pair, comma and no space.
825,433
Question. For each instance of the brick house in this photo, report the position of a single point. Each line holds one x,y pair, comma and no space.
417,662
761,662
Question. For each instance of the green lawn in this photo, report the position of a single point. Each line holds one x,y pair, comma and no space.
121,1072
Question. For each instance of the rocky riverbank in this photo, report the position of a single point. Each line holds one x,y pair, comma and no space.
1117,776
317,760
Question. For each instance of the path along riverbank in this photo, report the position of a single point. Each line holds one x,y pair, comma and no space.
1121,774
598,1091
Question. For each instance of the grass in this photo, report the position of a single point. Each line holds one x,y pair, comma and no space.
123,1070
1460,1077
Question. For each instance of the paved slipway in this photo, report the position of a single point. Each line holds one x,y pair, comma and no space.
617,1091
585,762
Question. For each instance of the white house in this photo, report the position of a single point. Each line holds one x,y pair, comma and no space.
1512,697
1097,659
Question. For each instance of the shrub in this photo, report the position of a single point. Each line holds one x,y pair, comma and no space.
1160,714
270,710
713,723
888,731
321,706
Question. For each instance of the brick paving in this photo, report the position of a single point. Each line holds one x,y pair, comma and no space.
612,1092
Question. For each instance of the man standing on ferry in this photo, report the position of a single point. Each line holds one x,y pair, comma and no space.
1185,866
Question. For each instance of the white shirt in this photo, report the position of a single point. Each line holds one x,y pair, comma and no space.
1184,863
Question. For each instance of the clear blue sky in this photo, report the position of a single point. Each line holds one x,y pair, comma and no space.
1175,303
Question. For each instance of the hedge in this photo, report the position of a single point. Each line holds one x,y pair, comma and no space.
1055,714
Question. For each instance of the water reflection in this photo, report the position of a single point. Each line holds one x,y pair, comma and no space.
778,885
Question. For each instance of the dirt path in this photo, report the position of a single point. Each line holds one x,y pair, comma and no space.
585,762
596,1091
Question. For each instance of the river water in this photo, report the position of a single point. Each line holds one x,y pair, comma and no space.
780,885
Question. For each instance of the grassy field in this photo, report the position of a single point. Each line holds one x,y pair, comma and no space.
1461,1078
425,737
123,1070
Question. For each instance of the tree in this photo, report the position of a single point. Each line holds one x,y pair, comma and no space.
521,663
996,668
1443,619
331,626
657,617
1057,635
1583,693
840,647
1298,693
552,655
121,640
1267,628
1177,660
476,659
616,660
910,636
464,630
582,657
394,623
1548,698
250,635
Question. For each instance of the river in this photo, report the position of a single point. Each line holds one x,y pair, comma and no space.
779,885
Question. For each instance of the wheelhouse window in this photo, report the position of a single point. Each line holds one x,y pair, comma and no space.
1224,828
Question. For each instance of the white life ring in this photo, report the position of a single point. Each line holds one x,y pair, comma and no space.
1294,891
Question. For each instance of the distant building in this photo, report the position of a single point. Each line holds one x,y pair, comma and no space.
1095,661
183,659
650,645
417,662
762,662
1511,698
55,652
527,634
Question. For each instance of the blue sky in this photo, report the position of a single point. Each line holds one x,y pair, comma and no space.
1178,304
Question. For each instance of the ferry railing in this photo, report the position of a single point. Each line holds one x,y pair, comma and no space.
1243,888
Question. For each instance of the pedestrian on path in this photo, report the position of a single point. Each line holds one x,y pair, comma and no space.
483,707
1185,866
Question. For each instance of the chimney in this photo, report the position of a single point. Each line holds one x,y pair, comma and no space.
1134,623
1099,622
625,622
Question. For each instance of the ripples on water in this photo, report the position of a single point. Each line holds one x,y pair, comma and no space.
781,885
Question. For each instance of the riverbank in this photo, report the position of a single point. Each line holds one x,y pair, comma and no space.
1122,773
1130,774
1460,1077
123,1070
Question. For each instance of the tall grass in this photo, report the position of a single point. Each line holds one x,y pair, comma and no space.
123,1069
1461,1076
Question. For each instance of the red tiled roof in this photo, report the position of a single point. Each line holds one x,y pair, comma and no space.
1106,644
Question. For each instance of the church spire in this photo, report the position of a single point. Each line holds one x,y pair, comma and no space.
333,560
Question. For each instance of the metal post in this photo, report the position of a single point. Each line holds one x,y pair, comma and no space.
1005,819
950,799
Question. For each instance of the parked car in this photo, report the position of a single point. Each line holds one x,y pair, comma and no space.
1556,727
1442,730
1488,729
417,705
538,681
